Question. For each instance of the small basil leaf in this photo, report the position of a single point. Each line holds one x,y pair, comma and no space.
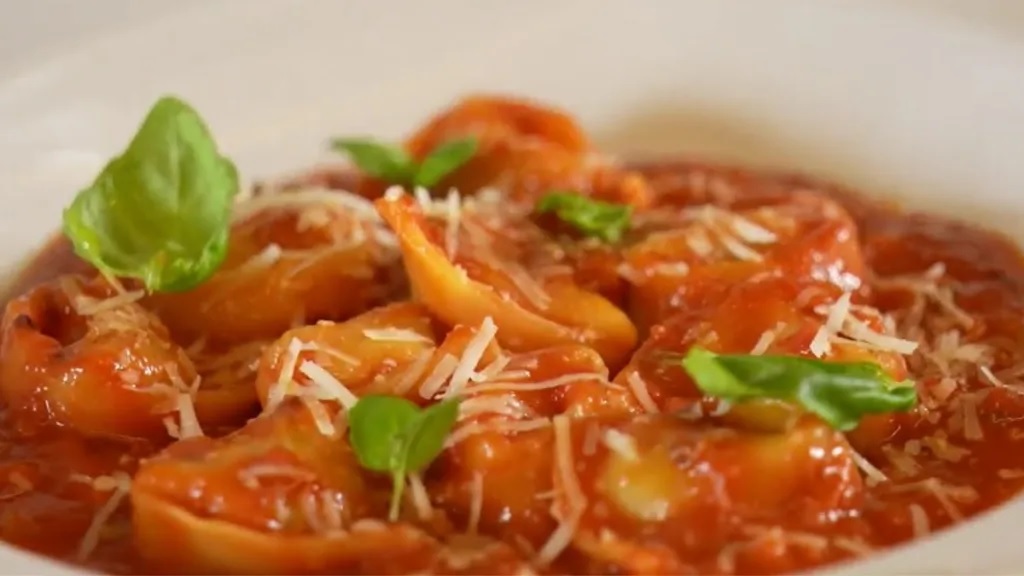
590,217
377,426
391,434
839,393
160,212
444,160
713,378
378,160
428,434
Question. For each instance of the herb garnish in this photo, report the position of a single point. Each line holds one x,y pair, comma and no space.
394,165
392,435
839,393
591,217
160,212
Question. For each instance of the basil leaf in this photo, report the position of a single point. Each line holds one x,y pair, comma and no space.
429,432
376,427
391,434
591,217
161,211
839,393
444,160
378,160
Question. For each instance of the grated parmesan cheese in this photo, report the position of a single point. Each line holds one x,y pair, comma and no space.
842,327
767,338
739,250
498,426
919,521
189,424
328,384
91,538
86,306
420,497
471,356
454,213
568,520
299,200
442,371
413,373
837,313
671,269
395,335
267,257
871,472
972,424
281,387
699,243
621,444
639,388
321,418
502,405
901,460
252,475
500,385
476,502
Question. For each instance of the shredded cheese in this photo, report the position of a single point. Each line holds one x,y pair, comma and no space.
471,429
767,338
841,326
972,424
252,475
919,521
413,373
281,387
671,269
321,418
575,500
837,313
395,335
86,306
420,497
471,356
499,384
621,444
641,392
325,381
454,213
267,257
476,502
299,200
91,538
501,405
189,424
530,289
442,371
873,474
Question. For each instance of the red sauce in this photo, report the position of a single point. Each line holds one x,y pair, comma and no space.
701,487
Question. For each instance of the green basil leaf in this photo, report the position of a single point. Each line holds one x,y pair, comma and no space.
444,160
391,434
388,163
377,428
591,217
839,393
161,211
428,433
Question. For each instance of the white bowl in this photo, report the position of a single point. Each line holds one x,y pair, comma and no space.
876,97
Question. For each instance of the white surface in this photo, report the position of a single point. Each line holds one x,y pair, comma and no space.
920,103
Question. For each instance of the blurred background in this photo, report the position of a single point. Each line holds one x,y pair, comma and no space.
31,30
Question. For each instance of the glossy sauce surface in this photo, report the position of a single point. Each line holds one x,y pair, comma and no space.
578,419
